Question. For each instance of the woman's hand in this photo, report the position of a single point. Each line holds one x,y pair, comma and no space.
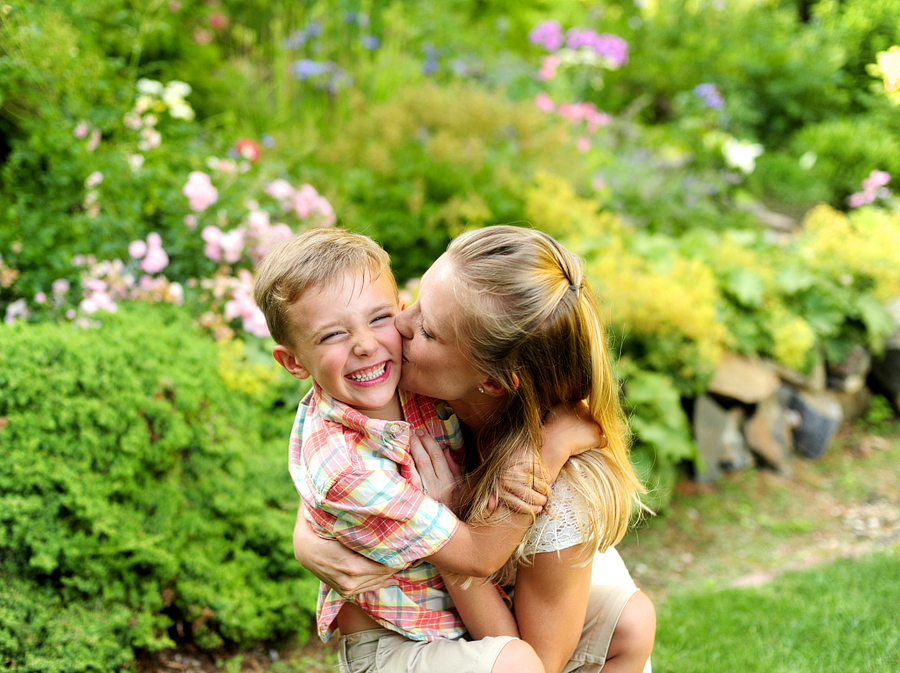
343,570
434,470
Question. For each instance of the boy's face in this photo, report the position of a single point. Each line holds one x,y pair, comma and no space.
344,337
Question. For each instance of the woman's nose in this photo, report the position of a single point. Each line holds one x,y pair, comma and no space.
402,322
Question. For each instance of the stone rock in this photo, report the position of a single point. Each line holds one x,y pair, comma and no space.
769,434
814,382
719,440
854,404
850,374
820,415
884,377
740,377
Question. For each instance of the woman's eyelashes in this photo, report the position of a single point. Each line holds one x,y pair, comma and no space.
424,333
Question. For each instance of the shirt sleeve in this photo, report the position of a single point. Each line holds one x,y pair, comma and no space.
382,516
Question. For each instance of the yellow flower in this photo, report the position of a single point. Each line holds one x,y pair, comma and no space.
889,62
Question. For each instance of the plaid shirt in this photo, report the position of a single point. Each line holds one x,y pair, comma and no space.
352,473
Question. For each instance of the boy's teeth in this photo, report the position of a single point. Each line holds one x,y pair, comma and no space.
374,374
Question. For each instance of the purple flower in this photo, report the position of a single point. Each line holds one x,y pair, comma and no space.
709,94
306,68
613,48
548,34
610,47
370,42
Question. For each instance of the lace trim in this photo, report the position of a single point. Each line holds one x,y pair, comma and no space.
561,523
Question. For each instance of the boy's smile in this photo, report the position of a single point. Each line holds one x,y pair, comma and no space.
346,340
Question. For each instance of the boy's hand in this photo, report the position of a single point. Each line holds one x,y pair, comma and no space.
343,570
569,429
434,470
525,487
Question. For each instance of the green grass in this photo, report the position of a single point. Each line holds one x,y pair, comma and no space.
841,617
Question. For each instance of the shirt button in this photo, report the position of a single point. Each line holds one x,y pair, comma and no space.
393,428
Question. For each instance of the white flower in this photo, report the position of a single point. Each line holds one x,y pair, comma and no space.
17,309
150,87
741,154
177,88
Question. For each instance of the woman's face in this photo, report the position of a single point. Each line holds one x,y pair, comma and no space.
433,364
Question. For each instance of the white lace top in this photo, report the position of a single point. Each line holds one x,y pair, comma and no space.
562,522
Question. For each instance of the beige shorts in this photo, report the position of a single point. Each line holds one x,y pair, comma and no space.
383,651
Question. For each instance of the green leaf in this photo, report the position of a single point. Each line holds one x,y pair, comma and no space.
746,286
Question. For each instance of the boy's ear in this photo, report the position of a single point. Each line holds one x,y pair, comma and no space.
286,359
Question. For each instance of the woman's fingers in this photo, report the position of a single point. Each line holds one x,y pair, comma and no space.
361,575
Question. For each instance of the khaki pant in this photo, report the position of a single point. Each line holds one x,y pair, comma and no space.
383,651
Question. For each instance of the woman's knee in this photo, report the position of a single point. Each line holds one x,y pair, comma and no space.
517,656
636,628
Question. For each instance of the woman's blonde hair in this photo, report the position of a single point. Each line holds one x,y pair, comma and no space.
532,324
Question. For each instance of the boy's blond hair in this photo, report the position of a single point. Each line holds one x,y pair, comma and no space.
306,261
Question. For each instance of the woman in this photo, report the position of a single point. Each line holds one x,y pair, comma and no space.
504,330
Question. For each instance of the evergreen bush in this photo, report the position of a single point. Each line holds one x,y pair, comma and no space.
144,498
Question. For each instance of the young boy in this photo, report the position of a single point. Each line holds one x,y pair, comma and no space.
330,299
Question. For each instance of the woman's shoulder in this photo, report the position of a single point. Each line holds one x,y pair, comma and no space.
563,523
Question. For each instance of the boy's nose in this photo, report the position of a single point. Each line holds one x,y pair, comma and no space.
365,342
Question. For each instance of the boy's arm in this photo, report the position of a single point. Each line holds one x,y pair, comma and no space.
481,606
343,570
479,551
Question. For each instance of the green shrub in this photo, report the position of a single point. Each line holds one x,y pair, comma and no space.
143,498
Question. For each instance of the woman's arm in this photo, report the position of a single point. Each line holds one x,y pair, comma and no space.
551,602
343,570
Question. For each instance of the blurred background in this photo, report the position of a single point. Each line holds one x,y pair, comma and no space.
724,168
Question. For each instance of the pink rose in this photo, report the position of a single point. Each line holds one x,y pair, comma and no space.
200,191
544,103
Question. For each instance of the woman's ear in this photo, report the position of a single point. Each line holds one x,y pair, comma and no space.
494,387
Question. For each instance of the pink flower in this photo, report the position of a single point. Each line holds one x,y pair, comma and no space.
81,130
212,235
40,298
94,140
279,189
549,64
137,249
308,202
156,259
544,103
202,36
93,179
59,287
200,191
860,198
875,180
190,221
95,285
571,112
218,21
583,144
258,223
232,244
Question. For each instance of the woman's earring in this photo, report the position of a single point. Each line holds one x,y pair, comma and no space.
480,389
